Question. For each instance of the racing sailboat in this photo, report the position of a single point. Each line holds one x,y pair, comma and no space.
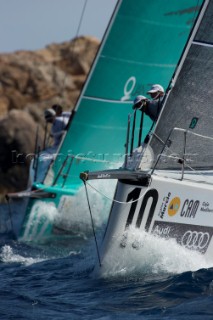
143,44
168,194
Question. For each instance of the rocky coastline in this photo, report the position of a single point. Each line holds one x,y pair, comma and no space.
31,81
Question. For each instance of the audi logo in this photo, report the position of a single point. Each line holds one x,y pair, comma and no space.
195,240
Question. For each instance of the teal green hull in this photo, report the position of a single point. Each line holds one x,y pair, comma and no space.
41,215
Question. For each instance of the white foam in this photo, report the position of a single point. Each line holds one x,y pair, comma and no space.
42,215
151,255
8,256
72,214
75,213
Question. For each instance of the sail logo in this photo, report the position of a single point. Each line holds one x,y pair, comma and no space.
193,123
173,206
132,88
128,88
103,176
164,205
190,208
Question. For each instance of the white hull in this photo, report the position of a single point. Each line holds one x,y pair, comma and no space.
167,208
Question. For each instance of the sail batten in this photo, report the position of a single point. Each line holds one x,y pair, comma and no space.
139,63
104,100
204,44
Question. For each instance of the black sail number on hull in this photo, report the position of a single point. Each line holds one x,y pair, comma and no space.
132,197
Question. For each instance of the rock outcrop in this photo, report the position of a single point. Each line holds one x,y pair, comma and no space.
31,81
17,147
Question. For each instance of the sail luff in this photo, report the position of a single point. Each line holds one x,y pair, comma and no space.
99,52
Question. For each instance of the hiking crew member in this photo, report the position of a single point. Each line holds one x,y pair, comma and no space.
152,107
59,124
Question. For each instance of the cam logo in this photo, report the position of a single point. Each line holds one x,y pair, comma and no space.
189,208
174,206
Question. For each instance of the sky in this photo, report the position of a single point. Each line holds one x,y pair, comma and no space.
33,24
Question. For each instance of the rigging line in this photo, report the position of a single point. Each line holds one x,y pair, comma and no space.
74,44
81,18
180,130
192,169
94,160
207,179
113,200
186,164
93,228
117,163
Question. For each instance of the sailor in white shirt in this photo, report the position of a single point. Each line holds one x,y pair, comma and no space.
59,124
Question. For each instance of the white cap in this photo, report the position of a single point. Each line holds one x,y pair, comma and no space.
156,88
139,99
49,113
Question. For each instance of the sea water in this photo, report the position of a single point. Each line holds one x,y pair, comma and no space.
63,280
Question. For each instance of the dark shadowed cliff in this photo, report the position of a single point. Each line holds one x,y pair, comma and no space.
31,81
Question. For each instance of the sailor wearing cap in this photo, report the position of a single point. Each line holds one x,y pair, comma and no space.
151,107
49,115
139,102
156,91
59,124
